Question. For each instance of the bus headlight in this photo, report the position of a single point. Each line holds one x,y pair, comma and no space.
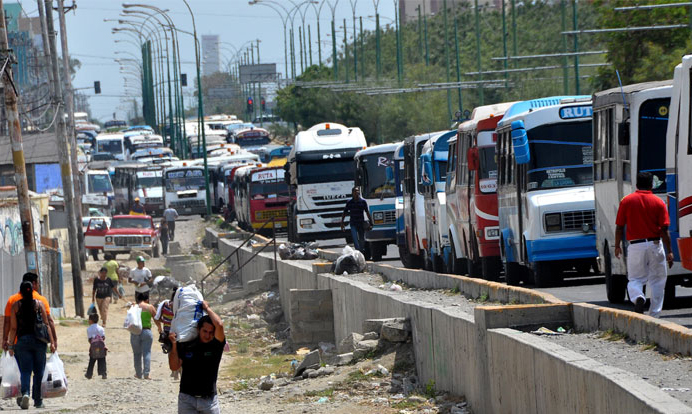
492,233
553,222
378,217
306,223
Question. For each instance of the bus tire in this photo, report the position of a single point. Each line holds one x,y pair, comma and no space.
473,264
490,268
669,300
427,261
542,274
455,266
410,261
377,250
438,265
616,285
513,273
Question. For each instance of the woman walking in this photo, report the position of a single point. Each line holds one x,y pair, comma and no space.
164,231
141,344
28,327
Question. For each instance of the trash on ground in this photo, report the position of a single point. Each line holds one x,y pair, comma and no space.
545,331
351,261
298,251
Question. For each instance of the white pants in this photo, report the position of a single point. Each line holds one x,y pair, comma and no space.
646,264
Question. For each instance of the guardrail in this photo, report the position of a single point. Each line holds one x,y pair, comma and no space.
235,253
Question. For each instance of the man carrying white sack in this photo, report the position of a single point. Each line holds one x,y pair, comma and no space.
200,361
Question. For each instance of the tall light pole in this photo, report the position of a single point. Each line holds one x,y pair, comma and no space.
332,6
378,62
355,41
318,11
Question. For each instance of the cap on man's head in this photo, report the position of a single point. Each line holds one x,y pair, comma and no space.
140,259
136,198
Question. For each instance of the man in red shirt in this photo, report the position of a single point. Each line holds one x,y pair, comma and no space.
646,218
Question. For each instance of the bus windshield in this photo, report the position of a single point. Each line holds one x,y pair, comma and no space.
326,171
149,181
561,155
181,180
252,138
99,183
651,155
114,146
374,176
268,189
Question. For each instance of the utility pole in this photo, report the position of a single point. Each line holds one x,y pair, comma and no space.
576,47
65,166
69,99
15,132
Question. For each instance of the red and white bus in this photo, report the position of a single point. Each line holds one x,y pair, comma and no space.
471,191
251,137
261,193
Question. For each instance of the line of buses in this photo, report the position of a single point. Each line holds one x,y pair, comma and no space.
527,190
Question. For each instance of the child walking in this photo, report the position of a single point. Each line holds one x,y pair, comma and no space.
97,347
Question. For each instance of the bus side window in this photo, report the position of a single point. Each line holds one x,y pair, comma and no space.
451,165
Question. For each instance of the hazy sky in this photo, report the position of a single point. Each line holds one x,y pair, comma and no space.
235,21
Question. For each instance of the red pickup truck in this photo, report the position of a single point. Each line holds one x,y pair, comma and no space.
126,233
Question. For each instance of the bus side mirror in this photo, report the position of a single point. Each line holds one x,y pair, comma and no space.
520,143
473,160
389,173
624,133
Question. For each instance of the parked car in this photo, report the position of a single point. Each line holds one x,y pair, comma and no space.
95,235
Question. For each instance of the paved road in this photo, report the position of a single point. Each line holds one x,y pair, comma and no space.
589,289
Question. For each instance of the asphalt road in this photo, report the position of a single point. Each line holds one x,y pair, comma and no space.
575,288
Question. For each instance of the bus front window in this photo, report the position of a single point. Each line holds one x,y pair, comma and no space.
183,180
374,173
326,171
99,183
149,182
114,147
561,155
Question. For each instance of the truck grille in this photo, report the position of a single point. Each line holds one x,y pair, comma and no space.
154,200
128,240
187,203
390,216
267,214
574,220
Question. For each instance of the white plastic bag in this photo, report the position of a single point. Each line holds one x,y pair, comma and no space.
187,308
10,377
133,320
54,383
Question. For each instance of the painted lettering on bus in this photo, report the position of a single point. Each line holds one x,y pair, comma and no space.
572,112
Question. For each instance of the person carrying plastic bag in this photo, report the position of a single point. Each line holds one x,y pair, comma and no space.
141,342
10,377
27,325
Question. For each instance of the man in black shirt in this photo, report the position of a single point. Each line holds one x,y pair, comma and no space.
200,362
103,289
356,206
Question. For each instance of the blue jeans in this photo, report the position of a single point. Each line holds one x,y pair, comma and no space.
358,236
141,348
187,404
31,356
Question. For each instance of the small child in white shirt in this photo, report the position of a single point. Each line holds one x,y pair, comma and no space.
97,347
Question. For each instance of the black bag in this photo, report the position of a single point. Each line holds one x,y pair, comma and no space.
40,327
166,344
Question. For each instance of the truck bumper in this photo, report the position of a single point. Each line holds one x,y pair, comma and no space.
563,248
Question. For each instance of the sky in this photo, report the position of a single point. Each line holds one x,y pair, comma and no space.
235,21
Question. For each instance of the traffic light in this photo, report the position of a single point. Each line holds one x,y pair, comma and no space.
183,79
263,105
250,105
97,87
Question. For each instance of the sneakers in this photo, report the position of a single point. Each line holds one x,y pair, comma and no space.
639,304
24,402
87,376
39,405
104,376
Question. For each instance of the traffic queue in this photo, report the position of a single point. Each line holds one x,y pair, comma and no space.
130,175
527,191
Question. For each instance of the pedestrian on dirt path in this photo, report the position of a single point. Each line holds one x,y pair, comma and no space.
112,272
141,277
200,363
96,336
33,279
646,218
356,206
164,234
138,209
141,344
170,214
30,349
103,288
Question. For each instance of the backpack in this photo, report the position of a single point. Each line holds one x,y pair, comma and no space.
97,348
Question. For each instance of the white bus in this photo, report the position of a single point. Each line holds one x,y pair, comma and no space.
629,129
375,178
111,143
137,180
679,172
185,189
545,189
321,174
97,188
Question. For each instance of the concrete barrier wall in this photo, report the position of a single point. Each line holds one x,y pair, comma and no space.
497,370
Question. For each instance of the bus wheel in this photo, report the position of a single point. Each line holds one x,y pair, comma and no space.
455,266
616,285
472,263
427,261
438,265
669,294
490,268
541,274
409,260
513,273
377,250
